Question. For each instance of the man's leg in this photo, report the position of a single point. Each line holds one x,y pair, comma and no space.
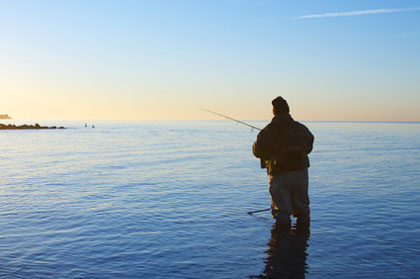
300,198
281,203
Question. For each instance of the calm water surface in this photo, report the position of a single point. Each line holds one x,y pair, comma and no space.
169,200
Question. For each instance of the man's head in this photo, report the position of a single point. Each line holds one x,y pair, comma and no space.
280,106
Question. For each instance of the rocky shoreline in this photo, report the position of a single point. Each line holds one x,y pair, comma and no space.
27,127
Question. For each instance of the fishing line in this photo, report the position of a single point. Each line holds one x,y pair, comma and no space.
230,118
243,123
256,211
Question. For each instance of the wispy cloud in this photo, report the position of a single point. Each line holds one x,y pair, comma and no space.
358,13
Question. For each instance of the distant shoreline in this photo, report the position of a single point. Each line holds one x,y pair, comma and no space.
27,127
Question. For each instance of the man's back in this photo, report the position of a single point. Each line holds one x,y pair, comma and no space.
284,144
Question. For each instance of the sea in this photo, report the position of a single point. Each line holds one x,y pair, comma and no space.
169,199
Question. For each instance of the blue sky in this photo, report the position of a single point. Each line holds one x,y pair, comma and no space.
332,60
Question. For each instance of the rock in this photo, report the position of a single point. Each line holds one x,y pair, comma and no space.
5,116
27,127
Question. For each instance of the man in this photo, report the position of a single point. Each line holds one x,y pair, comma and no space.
283,147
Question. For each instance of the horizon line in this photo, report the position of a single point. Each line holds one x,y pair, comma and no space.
251,120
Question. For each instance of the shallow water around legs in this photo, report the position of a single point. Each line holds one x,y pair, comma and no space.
169,200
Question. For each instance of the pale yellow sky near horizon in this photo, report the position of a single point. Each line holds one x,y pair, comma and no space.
87,101
50,107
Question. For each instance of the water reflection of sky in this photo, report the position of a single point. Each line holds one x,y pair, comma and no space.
165,199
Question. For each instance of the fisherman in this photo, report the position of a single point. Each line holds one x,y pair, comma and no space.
283,147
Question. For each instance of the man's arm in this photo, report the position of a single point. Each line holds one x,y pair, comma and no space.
262,147
310,141
257,151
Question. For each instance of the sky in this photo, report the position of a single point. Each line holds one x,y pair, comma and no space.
348,60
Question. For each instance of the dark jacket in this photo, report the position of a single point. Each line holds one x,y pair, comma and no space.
283,145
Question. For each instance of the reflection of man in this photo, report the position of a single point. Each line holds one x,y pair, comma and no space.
283,146
286,254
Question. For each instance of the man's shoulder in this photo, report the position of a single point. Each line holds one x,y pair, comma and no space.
269,127
305,130
301,125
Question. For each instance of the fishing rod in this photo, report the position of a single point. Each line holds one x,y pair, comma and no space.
230,118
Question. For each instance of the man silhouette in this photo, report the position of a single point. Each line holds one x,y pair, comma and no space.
283,147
